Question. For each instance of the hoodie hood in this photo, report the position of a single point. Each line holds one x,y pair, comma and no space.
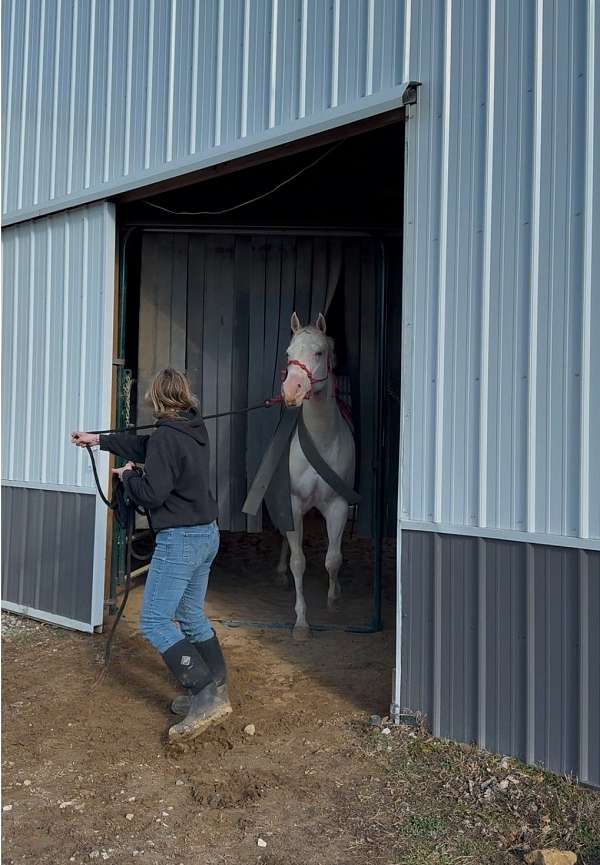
190,424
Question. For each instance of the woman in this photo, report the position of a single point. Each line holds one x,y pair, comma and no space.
174,490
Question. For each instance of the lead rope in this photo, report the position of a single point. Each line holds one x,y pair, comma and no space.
267,403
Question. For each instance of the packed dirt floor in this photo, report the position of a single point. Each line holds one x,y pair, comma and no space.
87,774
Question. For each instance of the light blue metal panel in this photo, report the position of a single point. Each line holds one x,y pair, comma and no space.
228,97
42,129
130,88
255,65
180,80
590,353
204,76
10,276
421,246
58,276
460,263
317,74
506,255
285,84
501,219
561,93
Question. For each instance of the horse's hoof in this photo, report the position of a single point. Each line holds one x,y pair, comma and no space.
301,634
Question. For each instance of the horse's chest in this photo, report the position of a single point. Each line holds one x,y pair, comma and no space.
306,483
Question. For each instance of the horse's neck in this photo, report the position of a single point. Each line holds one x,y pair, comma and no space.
321,413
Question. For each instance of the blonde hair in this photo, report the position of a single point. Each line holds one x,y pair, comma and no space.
170,393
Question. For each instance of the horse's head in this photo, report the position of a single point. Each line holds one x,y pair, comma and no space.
310,361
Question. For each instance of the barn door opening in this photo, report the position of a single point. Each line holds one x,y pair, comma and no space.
217,300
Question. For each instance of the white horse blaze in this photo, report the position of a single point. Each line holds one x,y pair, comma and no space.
310,383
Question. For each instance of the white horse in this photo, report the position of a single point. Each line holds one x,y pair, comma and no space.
310,383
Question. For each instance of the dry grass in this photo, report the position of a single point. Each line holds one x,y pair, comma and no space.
447,804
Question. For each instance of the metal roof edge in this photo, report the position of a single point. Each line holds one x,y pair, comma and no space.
368,106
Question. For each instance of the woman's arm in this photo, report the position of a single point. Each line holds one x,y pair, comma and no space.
126,445
161,470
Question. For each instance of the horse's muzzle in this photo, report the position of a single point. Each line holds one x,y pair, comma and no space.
295,389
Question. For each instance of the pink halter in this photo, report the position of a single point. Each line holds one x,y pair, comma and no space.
309,374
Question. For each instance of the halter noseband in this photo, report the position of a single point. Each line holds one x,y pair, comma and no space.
309,374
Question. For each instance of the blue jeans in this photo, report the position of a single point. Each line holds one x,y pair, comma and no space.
176,586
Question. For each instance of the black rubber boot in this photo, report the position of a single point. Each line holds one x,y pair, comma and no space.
206,705
188,666
212,655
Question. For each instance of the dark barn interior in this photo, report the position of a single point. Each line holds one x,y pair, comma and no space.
212,292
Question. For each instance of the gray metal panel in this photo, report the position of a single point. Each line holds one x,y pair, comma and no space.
501,384
500,646
48,551
58,277
106,94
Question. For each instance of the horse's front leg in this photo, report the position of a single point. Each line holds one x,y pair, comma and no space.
297,567
336,515
282,570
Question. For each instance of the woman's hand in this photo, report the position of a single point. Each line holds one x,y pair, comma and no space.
126,468
83,439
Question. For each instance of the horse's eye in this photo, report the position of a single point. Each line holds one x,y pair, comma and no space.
318,354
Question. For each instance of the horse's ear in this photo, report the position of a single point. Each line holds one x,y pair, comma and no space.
321,324
295,323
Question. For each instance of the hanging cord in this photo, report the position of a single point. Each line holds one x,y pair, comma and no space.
109,642
251,200
130,510
108,503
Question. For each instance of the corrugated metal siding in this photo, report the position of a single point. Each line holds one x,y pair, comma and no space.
58,281
500,647
99,92
48,552
57,301
503,201
501,373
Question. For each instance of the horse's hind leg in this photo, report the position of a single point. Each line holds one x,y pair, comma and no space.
336,515
282,569
297,567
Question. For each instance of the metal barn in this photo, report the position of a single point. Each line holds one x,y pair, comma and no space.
107,104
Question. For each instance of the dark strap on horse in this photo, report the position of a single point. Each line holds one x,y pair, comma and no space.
291,418
279,444
322,468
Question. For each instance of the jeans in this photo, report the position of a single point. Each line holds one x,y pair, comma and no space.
176,586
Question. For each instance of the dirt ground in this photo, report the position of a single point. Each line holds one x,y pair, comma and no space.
87,774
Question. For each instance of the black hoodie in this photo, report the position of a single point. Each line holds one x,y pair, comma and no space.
174,485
